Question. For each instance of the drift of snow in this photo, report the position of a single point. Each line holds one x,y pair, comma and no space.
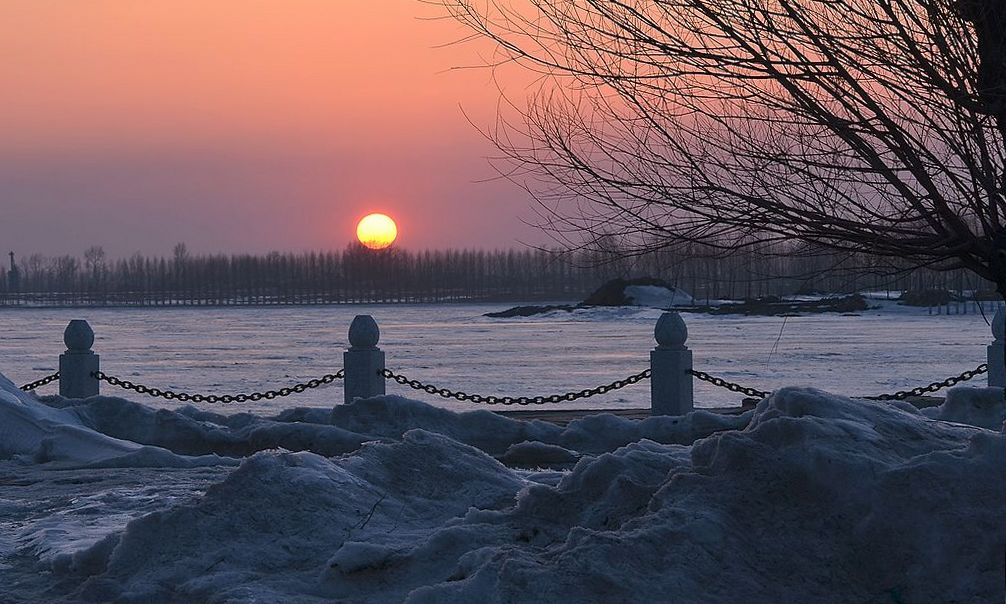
809,497
32,431
656,296
985,407
191,432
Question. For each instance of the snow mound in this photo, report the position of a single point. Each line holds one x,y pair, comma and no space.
532,454
819,499
389,417
34,432
813,498
289,524
985,407
656,296
191,432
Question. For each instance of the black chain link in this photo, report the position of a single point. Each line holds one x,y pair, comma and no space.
732,387
950,381
515,400
39,383
224,398
897,396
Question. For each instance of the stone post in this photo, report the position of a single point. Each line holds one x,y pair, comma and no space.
997,365
364,360
670,362
78,362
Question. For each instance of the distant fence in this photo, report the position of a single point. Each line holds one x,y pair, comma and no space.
365,374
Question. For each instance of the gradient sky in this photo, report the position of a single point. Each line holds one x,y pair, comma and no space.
244,125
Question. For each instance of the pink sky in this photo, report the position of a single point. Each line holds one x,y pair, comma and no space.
244,125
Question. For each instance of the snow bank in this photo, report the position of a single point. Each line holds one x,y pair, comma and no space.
985,407
391,416
656,296
813,498
32,431
288,524
819,499
191,432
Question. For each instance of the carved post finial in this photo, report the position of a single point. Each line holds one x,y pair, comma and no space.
671,333
364,332
78,336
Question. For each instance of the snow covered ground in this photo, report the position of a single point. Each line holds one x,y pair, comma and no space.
230,350
809,497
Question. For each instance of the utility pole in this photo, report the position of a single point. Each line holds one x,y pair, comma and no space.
13,276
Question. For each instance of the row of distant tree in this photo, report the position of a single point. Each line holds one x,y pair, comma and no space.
357,274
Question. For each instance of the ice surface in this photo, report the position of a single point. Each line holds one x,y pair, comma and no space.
809,497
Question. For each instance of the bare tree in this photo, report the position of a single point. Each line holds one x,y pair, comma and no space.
865,126
94,264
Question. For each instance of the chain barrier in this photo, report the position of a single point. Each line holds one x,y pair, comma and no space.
478,398
225,398
732,387
39,383
515,400
950,381
897,396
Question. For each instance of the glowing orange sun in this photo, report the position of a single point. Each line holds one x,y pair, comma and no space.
376,231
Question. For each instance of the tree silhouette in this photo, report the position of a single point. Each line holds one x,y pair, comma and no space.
857,126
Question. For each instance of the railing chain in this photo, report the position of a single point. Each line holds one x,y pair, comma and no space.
478,398
732,387
515,400
39,383
897,396
213,398
919,391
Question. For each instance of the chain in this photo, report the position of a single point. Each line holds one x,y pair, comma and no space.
897,396
42,382
732,387
478,398
950,381
515,400
225,398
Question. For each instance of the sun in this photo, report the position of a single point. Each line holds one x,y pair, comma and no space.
376,231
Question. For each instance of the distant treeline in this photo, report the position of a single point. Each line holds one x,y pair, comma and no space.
360,275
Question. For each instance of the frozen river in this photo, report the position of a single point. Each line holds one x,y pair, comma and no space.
244,349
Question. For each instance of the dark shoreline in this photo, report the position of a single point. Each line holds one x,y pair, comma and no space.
186,305
759,307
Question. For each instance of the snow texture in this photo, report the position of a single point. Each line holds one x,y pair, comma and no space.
809,497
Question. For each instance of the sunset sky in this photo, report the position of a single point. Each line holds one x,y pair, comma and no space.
244,125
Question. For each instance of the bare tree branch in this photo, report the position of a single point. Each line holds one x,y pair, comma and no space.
862,126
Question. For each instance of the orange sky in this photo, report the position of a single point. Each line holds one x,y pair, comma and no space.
243,125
